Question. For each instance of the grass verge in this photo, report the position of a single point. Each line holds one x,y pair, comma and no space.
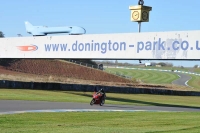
195,81
101,122
112,98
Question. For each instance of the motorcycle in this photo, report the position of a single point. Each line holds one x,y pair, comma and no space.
97,98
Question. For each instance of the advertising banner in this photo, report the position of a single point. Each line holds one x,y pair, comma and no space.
153,45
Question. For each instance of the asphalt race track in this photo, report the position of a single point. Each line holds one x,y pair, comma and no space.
184,78
14,106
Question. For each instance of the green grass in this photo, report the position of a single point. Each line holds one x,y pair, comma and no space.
195,81
112,98
156,77
147,76
197,70
99,122
167,68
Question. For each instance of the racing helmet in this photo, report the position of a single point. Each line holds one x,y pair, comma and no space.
102,90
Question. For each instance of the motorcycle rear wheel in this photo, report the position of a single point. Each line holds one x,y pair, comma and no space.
102,102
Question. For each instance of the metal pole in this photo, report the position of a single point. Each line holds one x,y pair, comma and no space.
139,26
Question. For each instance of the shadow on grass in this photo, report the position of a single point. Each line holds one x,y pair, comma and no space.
137,101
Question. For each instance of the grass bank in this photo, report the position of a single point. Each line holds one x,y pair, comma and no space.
147,76
156,77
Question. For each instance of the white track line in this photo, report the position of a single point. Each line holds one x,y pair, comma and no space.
80,110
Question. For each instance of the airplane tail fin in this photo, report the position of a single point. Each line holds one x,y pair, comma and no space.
28,26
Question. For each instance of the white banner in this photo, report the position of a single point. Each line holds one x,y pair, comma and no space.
160,45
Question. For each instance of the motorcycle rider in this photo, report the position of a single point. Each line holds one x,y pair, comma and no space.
101,91
103,94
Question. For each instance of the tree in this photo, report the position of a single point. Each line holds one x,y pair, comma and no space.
196,66
162,64
1,34
169,64
153,63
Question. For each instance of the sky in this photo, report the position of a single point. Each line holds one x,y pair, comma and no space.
99,17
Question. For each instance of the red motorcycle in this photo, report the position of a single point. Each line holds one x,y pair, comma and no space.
98,98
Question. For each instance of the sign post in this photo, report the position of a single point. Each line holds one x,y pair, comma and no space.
140,13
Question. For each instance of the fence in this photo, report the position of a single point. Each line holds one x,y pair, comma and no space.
84,64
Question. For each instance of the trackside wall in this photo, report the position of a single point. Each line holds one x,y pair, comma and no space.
90,88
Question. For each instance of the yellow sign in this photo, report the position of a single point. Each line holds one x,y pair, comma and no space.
140,13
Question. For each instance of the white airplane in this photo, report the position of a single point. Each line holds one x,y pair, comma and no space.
44,30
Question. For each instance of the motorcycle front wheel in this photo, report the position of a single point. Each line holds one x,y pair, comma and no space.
92,102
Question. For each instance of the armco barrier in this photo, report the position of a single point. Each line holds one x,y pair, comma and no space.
89,88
